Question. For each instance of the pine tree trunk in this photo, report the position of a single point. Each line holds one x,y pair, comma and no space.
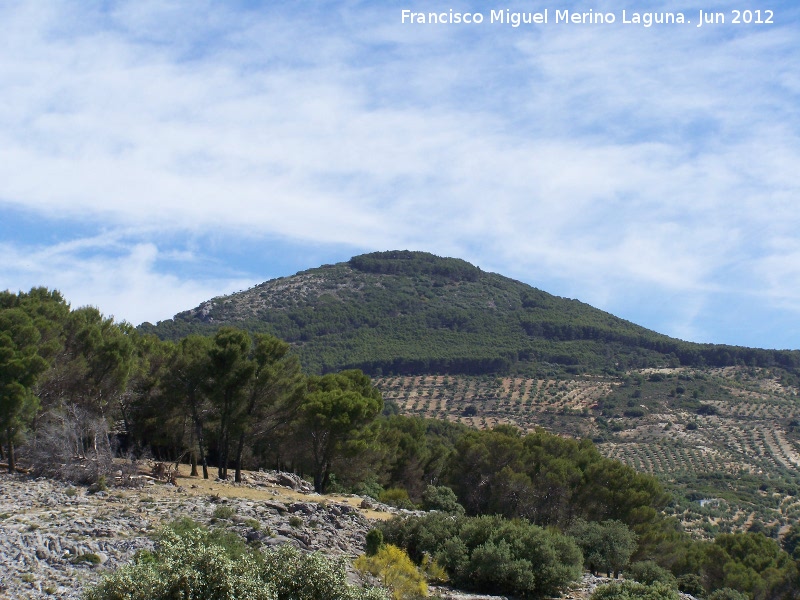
239,451
202,447
223,462
193,454
12,461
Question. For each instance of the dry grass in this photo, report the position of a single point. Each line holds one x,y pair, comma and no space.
197,486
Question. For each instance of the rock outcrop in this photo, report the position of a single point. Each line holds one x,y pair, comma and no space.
55,539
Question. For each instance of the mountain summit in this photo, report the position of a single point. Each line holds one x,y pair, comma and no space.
403,312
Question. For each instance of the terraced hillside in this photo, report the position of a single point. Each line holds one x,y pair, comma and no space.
486,401
725,440
444,339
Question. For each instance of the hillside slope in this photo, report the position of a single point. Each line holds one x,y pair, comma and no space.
406,313
718,424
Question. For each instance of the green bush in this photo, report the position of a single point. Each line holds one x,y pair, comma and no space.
101,485
441,498
750,563
606,546
632,590
369,487
90,558
691,583
224,512
374,541
648,573
728,594
191,562
489,553
396,497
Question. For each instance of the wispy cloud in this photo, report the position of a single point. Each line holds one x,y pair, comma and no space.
113,273
619,165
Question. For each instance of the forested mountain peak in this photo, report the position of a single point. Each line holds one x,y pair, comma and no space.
404,312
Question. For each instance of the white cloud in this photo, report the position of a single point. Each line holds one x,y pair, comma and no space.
120,278
612,159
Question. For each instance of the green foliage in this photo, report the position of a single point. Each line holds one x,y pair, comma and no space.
21,364
191,562
369,487
101,485
298,576
223,512
407,452
412,312
727,594
434,572
632,590
374,541
606,546
90,558
750,563
791,541
549,480
691,583
396,497
442,498
491,554
648,572
335,407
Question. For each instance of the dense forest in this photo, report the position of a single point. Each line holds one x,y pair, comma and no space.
405,312
78,390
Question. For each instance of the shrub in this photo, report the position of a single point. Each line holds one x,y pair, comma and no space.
369,487
634,413
396,497
707,410
691,583
396,572
727,594
434,572
631,590
606,546
101,485
441,498
297,576
374,541
491,554
224,512
295,521
192,562
648,573
92,559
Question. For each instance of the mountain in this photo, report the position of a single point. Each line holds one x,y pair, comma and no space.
407,313
720,425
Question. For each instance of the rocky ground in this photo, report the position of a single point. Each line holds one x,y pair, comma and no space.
56,539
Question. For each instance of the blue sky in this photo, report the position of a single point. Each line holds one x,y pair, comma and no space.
156,154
